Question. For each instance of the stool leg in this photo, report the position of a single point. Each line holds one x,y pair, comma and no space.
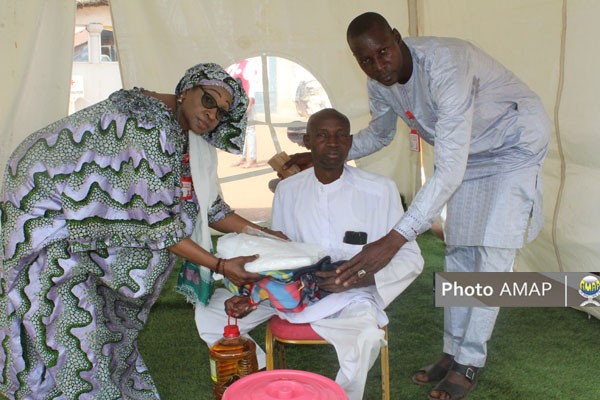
281,355
269,347
385,369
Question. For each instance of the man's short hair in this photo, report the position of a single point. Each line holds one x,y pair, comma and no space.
364,23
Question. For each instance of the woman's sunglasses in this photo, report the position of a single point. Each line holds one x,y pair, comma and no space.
208,101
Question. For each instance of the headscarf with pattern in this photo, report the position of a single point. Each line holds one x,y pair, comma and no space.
228,136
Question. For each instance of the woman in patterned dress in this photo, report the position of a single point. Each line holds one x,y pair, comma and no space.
95,209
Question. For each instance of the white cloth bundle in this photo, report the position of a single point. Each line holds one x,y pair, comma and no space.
275,254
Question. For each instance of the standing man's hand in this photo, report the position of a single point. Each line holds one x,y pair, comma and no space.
302,160
371,259
328,281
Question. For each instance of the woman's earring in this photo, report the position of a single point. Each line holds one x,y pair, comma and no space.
179,100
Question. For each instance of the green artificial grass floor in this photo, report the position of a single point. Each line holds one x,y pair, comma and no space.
535,353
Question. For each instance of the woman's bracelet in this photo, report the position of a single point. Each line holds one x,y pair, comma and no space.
220,266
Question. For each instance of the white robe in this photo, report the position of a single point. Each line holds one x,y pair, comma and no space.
311,212
308,211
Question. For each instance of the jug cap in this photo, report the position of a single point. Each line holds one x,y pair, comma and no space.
231,330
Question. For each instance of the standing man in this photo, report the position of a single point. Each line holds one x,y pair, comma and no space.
490,133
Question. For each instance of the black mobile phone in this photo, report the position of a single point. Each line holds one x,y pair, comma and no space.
351,237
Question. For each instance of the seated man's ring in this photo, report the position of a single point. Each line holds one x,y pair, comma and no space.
361,273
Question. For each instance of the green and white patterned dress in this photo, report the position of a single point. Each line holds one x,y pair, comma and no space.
89,206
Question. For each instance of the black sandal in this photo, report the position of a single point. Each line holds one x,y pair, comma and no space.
456,390
434,372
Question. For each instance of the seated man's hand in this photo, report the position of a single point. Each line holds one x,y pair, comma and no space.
328,282
239,306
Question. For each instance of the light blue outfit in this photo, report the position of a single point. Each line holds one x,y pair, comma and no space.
490,133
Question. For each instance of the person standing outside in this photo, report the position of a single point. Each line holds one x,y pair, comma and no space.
247,72
490,134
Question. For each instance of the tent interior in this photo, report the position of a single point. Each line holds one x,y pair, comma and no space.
546,43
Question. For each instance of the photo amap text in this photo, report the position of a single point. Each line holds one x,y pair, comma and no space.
516,289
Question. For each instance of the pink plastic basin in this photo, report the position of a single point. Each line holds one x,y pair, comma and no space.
284,384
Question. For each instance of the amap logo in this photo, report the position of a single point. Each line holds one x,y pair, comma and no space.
589,287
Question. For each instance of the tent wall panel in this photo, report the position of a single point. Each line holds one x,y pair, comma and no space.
577,232
578,218
36,43
187,32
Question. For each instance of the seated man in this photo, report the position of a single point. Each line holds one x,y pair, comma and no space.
322,205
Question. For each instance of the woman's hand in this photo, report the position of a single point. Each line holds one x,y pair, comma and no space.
233,269
238,224
278,234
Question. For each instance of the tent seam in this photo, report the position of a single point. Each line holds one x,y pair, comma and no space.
413,18
561,78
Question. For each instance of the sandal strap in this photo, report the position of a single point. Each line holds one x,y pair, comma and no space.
454,390
434,372
469,372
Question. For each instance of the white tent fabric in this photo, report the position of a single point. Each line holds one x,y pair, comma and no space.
548,43
158,40
36,43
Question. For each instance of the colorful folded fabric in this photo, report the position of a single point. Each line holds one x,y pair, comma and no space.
288,291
